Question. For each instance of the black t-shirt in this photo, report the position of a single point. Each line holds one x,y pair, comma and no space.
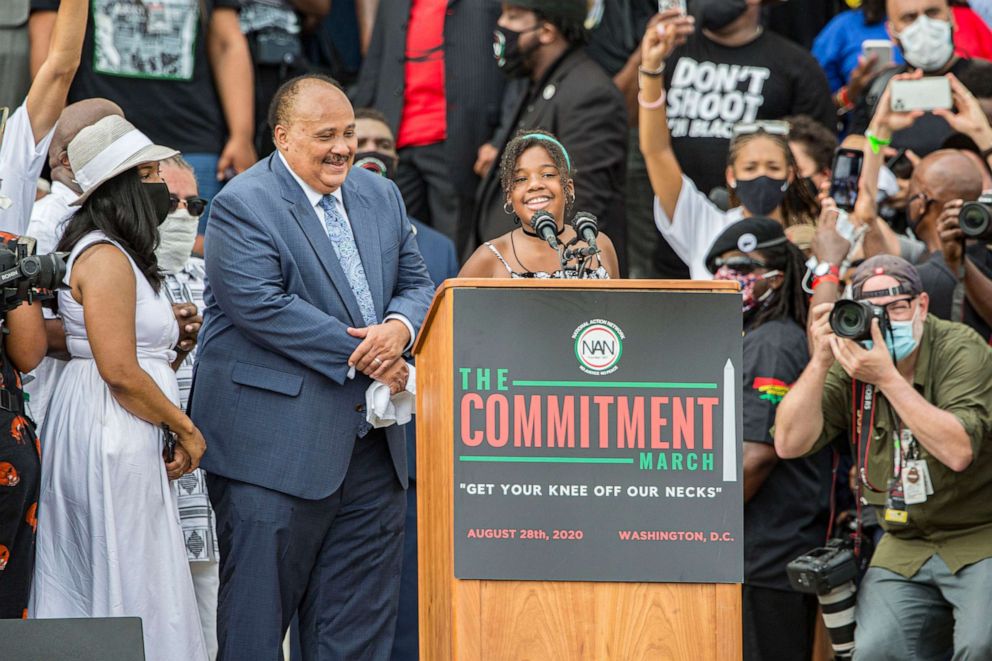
938,283
712,87
619,31
926,135
788,516
151,59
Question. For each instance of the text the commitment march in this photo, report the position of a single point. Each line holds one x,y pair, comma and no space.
597,435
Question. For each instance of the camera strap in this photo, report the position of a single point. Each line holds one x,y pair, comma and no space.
864,424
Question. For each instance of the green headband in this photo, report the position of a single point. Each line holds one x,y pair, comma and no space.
548,138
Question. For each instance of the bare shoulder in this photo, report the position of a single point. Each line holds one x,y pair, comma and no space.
608,255
484,263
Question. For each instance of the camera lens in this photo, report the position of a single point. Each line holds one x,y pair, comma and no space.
849,319
975,220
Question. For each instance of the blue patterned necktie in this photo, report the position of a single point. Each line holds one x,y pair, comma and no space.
339,232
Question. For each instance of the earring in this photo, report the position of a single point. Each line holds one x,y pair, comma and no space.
508,208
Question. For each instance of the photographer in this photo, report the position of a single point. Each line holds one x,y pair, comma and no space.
23,346
924,401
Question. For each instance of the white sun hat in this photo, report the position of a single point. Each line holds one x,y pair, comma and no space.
107,148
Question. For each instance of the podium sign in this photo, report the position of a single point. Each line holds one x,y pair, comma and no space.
597,436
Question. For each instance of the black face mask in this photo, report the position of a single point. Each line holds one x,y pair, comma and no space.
510,59
378,162
762,195
158,193
717,14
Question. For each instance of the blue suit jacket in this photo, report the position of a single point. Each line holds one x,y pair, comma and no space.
270,392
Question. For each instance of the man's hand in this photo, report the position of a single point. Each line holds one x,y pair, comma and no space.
951,236
395,377
969,118
828,245
862,74
820,334
189,325
238,155
874,366
382,345
485,159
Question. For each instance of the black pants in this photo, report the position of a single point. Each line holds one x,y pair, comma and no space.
20,479
424,180
778,624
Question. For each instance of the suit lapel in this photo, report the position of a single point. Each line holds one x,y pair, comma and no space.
366,231
306,218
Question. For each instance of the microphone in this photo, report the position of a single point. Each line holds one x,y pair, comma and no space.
586,227
545,226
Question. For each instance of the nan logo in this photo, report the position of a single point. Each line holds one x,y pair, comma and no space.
598,346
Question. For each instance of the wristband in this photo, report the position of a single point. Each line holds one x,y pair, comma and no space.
830,277
654,105
844,99
653,73
876,143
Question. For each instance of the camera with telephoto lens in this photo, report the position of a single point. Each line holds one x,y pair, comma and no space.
975,218
852,319
829,573
23,273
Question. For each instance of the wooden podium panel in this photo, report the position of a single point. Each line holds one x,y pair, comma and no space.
490,620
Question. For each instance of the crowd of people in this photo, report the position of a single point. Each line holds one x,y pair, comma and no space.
256,199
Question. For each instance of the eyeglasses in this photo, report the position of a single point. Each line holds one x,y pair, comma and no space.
898,308
772,126
194,205
740,263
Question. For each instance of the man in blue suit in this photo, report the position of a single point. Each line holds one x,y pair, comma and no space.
315,288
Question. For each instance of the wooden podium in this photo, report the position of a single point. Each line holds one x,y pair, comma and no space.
513,620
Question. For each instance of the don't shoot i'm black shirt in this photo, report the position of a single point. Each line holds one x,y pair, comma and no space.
712,87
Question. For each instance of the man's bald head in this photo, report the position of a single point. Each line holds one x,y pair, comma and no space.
948,174
74,119
283,104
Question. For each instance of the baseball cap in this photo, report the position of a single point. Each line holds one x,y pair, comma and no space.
895,267
746,235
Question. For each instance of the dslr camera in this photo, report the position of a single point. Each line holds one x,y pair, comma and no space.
975,218
23,273
852,320
829,572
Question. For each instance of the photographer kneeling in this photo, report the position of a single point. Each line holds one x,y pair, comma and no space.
921,395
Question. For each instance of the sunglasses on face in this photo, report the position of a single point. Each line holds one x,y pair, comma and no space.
194,205
740,264
772,126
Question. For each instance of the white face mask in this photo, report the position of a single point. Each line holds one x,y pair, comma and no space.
927,43
177,233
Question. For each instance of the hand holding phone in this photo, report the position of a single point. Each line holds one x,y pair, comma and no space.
845,177
881,49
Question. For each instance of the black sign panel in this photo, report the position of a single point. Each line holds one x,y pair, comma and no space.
597,436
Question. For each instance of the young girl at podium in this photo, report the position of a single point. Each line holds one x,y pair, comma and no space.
536,174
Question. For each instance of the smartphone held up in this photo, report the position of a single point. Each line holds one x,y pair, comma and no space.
665,5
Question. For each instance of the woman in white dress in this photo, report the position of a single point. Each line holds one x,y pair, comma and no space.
109,539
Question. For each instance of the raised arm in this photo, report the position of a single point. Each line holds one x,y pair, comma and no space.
50,87
664,33
230,62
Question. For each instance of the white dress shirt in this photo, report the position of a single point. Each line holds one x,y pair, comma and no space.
314,198
21,160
